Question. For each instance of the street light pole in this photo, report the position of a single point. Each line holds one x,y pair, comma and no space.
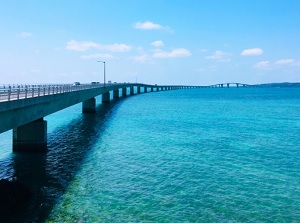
104,71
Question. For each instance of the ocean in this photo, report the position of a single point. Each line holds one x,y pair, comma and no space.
193,155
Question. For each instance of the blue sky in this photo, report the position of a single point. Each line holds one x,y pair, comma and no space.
196,42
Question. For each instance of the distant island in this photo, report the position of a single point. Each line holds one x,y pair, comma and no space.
284,84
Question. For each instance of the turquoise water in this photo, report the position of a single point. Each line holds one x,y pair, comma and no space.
198,155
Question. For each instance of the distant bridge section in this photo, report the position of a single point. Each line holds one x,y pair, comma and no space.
268,85
230,85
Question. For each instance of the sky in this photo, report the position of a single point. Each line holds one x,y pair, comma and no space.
182,42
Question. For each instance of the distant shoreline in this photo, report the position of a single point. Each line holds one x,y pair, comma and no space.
284,84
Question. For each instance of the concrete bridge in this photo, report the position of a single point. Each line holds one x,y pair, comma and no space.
230,85
23,107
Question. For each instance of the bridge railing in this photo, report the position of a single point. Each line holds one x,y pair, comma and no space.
15,92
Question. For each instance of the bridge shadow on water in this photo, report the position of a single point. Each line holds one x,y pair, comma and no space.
49,174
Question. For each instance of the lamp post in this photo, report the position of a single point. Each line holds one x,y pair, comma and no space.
104,70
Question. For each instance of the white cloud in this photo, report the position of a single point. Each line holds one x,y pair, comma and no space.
180,52
97,56
217,55
25,34
142,58
252,52
285,61
151,26
116,47
157,43
262,65
220,56
267,65
147,26
83,46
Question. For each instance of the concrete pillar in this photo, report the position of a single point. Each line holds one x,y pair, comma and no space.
145,89
157,89
89,106
116,93
131,90
106,97
124,91
31,137
138,89
152,89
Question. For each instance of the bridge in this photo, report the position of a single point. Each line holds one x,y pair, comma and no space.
23,107
230,85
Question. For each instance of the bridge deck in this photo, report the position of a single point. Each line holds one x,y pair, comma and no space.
28,104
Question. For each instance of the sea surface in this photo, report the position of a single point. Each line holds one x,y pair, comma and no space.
194,155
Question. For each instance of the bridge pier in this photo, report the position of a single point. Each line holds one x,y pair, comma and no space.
131,90
145,89
30,137
116,93
89,106
106,97
124,91
138,89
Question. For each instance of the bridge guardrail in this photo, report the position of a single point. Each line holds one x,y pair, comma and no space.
16,92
